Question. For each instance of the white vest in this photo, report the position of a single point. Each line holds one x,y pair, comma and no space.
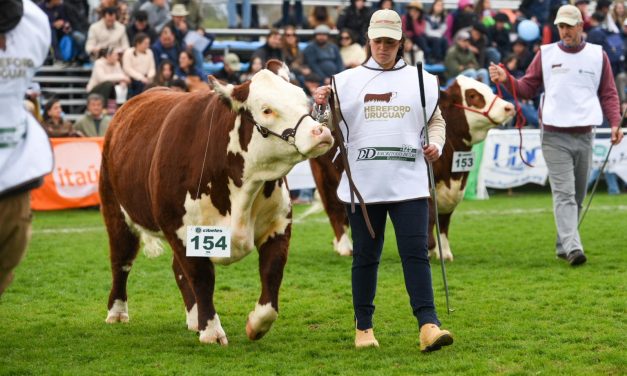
25,152
382,127
571,83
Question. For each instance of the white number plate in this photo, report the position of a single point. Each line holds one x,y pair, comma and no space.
463,161
208,241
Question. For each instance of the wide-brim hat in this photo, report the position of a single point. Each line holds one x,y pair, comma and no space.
385,23
568,14
232,61
415,5
179,10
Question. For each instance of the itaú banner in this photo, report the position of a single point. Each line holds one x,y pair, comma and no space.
502,167
73,182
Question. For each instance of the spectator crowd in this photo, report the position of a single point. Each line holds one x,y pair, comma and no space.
136,45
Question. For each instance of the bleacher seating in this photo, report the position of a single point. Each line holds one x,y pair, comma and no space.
67,84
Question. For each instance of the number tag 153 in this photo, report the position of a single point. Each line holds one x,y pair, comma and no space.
208,241
463,161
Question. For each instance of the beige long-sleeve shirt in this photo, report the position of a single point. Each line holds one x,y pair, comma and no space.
103,71
139,65
99,37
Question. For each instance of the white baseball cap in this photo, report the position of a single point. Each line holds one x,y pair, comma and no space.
568,14
385,23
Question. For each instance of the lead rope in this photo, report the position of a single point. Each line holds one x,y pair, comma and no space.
347,169
520,118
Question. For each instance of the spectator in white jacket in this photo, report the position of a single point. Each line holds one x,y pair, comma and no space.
106,33
138,63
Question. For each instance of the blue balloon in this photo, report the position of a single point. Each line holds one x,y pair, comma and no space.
528,30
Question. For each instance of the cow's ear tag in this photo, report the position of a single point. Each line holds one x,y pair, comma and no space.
208,241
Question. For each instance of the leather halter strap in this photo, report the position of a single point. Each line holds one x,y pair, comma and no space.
288,135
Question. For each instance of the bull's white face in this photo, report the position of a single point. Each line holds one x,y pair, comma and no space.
279,105
479,96
276,105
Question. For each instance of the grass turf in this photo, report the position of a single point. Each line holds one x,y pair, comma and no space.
518,309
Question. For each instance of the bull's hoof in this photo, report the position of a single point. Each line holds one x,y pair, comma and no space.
112,318
252,334
344,246
260,321
118,312
213,333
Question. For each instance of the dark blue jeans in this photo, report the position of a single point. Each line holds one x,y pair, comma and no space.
410,220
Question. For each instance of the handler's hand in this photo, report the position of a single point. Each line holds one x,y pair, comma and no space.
617,135
321,93
431,152
497,74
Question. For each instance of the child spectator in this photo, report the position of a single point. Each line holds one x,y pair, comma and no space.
165,74
499,34
138,63
464,16
460,60
95,121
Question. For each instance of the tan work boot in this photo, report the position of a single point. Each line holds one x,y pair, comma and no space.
365,338
433,338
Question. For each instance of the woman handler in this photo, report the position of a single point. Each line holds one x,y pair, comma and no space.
382,124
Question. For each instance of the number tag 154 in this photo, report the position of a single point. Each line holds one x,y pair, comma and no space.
208,241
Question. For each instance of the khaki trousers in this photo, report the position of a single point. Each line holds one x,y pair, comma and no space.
15,229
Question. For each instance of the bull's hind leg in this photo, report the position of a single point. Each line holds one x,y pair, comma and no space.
123,247
272,259
191,309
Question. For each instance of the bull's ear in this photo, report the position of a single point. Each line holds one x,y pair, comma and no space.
235,94
279,68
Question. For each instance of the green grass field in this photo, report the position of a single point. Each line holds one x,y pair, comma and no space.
518,310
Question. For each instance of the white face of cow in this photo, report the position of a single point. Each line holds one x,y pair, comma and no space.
479,97
278,106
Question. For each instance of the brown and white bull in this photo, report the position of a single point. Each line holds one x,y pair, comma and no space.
218,158
470,109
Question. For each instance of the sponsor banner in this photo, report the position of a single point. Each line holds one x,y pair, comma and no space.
73,182
501,166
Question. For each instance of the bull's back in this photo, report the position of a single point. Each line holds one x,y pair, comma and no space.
129,148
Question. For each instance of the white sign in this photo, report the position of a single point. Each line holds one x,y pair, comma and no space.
502,167
463,161
208,241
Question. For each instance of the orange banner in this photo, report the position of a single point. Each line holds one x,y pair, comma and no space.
73,182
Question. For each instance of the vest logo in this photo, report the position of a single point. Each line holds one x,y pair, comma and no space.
381,112
404,153
77,177
556,66
385,97
582,71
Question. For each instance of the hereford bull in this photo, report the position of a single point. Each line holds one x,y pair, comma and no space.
171,160
470,109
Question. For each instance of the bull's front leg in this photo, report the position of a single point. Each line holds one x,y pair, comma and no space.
272,259
201,277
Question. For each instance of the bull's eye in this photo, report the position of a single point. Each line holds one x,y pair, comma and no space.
267,111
